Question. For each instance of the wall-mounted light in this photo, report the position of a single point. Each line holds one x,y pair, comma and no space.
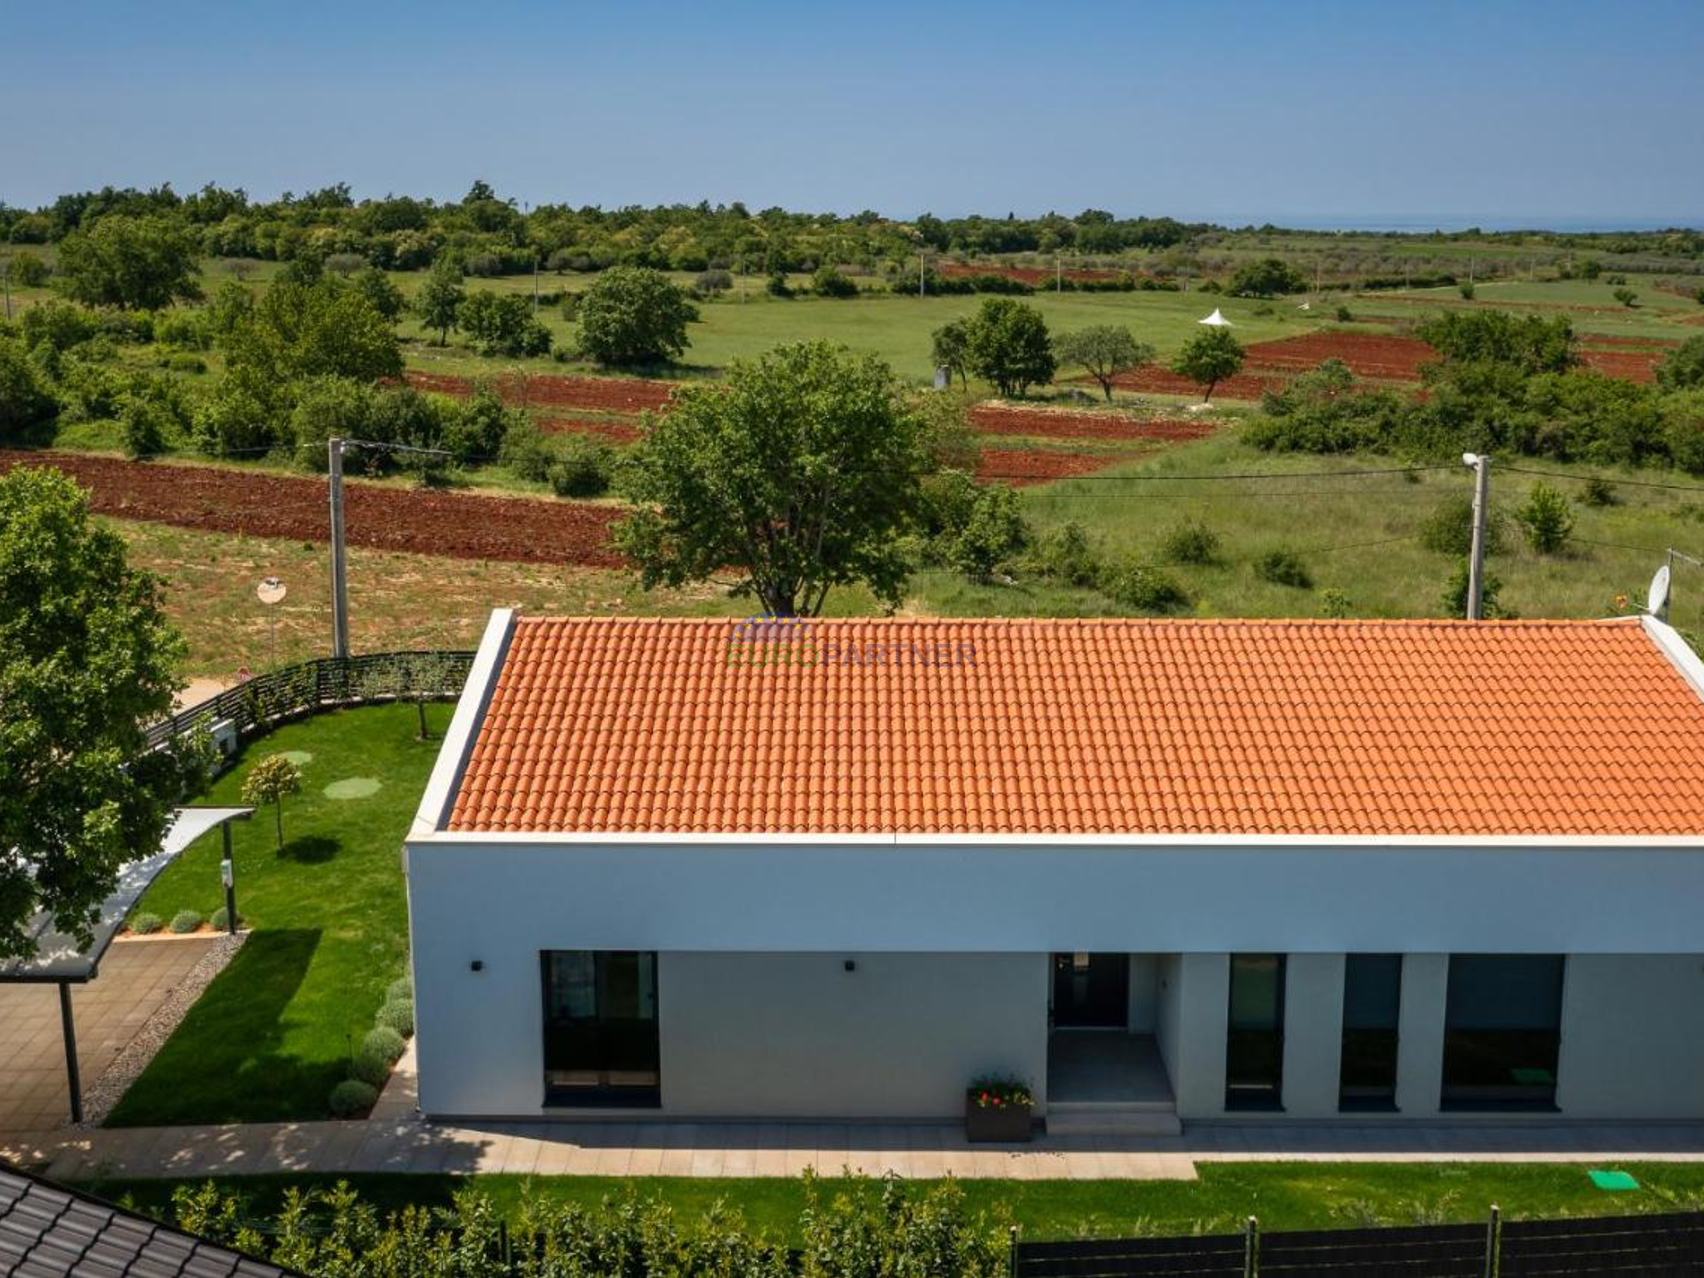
478,965
851,965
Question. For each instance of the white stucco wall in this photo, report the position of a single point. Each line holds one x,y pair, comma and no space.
1313,1034
1420,1034
1632,1037
1144,1007
1197,1066
797,1035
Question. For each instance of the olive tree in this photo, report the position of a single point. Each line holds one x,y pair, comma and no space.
141,263
1208,358
1104,351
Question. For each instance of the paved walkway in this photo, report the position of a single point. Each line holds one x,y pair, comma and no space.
394,1139
136,978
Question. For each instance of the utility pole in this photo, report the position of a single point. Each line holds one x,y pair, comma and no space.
1058,274
1481,466
339,580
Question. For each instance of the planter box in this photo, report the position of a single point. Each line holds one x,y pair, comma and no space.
1003,1125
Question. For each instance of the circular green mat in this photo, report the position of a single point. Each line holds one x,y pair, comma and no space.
301,758
352,788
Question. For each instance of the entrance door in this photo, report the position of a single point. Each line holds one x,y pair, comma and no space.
600,1027
1091,991
1254,1047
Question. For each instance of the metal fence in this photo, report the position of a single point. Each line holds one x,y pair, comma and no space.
1598,1247
263,702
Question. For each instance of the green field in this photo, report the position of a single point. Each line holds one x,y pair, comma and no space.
274,1032
1282,1195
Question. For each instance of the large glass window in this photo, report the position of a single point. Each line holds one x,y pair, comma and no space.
1502,1031
600,1027
1372,1001
1254,1039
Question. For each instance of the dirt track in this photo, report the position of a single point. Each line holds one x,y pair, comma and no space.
457,525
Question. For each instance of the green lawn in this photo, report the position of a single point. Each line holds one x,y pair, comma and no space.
271,1036
1282,1195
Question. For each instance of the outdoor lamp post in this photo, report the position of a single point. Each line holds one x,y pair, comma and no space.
228,876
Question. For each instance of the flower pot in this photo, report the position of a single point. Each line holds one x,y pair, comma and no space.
1007,1124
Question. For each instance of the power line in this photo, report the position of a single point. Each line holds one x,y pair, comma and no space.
1630,483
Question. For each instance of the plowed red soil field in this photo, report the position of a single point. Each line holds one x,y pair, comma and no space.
1019,467
1031,275
1632,366
619,432
456,525
1154,380
547,390
1380,356
998,419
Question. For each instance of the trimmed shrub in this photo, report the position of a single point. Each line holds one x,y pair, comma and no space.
221,920
370,1066
185,921
385,1041
1142,588
398,1014
400,989
1191,542
351,1097
1283,568
146,924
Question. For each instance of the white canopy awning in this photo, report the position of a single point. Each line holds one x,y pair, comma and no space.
1216,320
58,957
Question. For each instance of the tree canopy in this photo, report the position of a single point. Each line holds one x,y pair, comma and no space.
440,298
1268,277
1009,345
800,472
1529,343
633,315
1208,358
87,659
1683,369
140,263
1105,351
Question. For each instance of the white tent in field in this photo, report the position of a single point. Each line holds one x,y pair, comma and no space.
1216,320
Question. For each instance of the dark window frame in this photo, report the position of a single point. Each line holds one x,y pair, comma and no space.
608,1044
1254,1056
1510,1067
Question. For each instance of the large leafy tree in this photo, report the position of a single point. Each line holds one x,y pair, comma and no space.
950,346
1529,343
1208,358
1104,351
635,315
1684,367
144,263
87,659
1009,345
28,408
1267,278
799,472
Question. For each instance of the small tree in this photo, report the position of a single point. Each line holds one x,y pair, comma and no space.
273,780
993,532
1208,358
1626,296
500,324
440,298
1684,367
1267,278
800,472
1105,351
1547,518
634,315
1009,346
951,349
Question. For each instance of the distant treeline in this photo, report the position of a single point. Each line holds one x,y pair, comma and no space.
489,235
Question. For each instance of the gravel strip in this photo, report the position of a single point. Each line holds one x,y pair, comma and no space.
133,1057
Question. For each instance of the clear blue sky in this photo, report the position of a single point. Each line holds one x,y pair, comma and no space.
1561,111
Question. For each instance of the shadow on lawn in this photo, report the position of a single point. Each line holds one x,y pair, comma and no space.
311,849
225,1062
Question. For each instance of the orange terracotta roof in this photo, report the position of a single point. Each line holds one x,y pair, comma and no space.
1248,727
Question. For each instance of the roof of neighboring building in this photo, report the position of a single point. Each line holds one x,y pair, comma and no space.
46,1229
1088,727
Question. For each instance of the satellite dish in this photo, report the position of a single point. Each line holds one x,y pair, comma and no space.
1656,599
271,591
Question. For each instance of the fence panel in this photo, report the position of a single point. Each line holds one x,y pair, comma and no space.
1417,1251
1208,1256
1618,1245
324,683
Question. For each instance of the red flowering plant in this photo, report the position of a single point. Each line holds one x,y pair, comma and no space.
992,1092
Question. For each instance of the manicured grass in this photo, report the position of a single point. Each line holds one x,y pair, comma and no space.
272,1035
1282,1195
